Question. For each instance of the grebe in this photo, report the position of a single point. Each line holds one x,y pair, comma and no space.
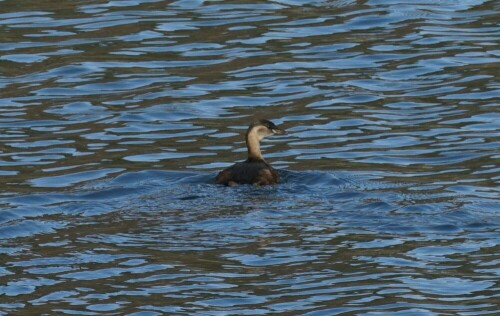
255,170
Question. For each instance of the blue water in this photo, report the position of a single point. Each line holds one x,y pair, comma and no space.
115,117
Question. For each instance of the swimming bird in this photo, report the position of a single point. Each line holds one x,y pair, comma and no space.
255,170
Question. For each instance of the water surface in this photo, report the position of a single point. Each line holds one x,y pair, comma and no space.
115,117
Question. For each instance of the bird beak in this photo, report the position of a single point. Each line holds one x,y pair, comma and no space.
279,131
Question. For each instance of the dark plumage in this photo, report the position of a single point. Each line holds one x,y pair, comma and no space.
255,170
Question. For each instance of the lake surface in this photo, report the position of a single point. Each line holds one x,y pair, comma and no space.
115,117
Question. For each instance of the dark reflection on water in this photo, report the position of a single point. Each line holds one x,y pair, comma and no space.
116,115
173,242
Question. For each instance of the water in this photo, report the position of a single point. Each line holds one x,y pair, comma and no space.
116,117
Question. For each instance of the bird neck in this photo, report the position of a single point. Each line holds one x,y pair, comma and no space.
253,145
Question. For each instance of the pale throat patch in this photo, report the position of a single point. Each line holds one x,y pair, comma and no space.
263,132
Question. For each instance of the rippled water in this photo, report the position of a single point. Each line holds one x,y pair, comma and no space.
115,116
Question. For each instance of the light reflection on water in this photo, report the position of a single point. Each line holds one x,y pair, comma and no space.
115,117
